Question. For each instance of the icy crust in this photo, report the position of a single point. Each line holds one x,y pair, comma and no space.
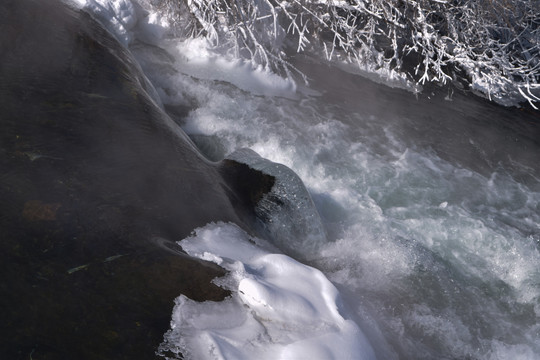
279,308
287,211
196,57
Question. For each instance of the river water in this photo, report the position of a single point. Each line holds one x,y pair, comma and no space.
430,202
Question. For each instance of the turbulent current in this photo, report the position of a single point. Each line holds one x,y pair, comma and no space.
428,205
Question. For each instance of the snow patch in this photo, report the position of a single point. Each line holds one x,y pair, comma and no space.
195,57
279,308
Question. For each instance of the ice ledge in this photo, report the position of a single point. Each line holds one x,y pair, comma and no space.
279,309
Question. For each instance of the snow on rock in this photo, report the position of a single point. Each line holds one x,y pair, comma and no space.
279,308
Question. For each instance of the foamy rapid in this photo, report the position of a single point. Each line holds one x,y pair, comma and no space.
434,252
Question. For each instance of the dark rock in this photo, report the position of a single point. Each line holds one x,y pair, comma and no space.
96,184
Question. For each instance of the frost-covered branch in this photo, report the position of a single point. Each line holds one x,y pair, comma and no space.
495,43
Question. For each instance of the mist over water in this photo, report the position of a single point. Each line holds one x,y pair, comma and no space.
430,202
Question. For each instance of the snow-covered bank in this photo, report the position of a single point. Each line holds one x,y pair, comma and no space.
491,49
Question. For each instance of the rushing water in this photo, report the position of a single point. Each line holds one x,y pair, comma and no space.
430,202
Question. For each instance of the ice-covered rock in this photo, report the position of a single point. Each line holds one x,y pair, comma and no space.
287,212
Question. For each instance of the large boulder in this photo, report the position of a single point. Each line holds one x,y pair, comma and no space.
96,184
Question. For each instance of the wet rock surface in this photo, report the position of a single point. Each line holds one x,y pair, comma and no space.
96,184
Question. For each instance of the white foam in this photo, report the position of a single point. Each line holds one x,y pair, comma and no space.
279,309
